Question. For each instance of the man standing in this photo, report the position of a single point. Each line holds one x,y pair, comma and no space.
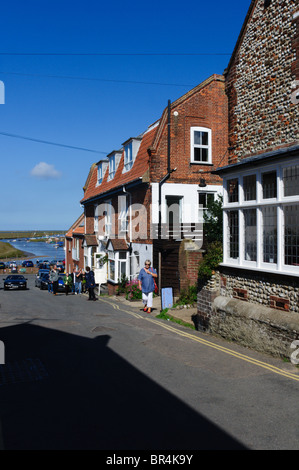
90,283
78,282
54,278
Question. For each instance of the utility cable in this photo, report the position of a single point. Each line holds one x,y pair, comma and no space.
6,134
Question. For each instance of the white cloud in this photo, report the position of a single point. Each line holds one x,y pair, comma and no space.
45,171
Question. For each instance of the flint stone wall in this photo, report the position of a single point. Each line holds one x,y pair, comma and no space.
252,310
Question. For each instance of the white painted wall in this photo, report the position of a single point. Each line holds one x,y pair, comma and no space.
145,252
189,192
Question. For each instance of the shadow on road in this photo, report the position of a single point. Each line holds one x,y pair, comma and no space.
62,391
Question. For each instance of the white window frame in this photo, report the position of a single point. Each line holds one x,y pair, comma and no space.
111,259
100,173
114,257
96,218
128,159
123,207
279,202
108,218
208,147
111,167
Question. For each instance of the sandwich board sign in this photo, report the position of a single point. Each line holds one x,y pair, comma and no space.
166,297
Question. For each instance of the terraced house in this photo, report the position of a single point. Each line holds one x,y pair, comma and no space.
259,278
146,200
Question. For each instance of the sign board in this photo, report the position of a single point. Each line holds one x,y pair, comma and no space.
166,297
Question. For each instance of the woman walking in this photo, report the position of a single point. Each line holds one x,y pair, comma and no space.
147,285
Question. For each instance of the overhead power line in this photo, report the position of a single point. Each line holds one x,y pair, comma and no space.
67,77
6,134
102,54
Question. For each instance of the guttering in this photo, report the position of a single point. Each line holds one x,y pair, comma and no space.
112,192
259,160
167,176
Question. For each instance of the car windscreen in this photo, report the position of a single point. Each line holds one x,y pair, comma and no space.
15,277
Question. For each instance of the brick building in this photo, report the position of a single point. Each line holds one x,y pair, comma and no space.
146,200
260,270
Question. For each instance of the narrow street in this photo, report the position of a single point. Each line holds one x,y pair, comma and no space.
104,375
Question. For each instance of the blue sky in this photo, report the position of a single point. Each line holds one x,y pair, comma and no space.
90,75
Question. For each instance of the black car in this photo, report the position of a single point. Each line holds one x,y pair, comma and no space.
15,281
2,265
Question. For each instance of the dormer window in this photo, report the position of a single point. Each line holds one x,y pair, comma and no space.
100,173
114,158
111,167
102,167
131,147
129,156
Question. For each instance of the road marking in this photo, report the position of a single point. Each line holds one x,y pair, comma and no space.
205,342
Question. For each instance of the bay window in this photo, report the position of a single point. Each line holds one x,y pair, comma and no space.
117,265
261,218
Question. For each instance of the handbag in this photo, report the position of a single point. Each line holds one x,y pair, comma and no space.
156,287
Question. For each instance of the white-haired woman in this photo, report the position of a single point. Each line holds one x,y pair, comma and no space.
147,285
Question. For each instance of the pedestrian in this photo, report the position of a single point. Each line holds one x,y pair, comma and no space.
50,284
74,280
147,285
67,280
78,282
90,283
83,282
54,278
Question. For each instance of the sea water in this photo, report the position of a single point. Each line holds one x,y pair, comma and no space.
37,250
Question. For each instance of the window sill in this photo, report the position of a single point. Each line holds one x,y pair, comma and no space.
260,269
201,163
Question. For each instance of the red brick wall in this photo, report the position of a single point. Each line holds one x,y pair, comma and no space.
140,195
69,262
204,106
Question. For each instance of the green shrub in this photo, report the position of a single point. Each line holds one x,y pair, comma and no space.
211,261
188,296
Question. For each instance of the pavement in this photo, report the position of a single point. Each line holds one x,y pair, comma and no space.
185,314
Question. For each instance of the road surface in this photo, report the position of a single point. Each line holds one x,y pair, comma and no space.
105,375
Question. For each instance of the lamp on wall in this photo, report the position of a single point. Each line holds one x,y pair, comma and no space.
202,183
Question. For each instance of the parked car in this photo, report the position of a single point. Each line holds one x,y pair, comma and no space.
60,268
44,266
15,281
40,273
44,280
2,265
61,286
27,264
